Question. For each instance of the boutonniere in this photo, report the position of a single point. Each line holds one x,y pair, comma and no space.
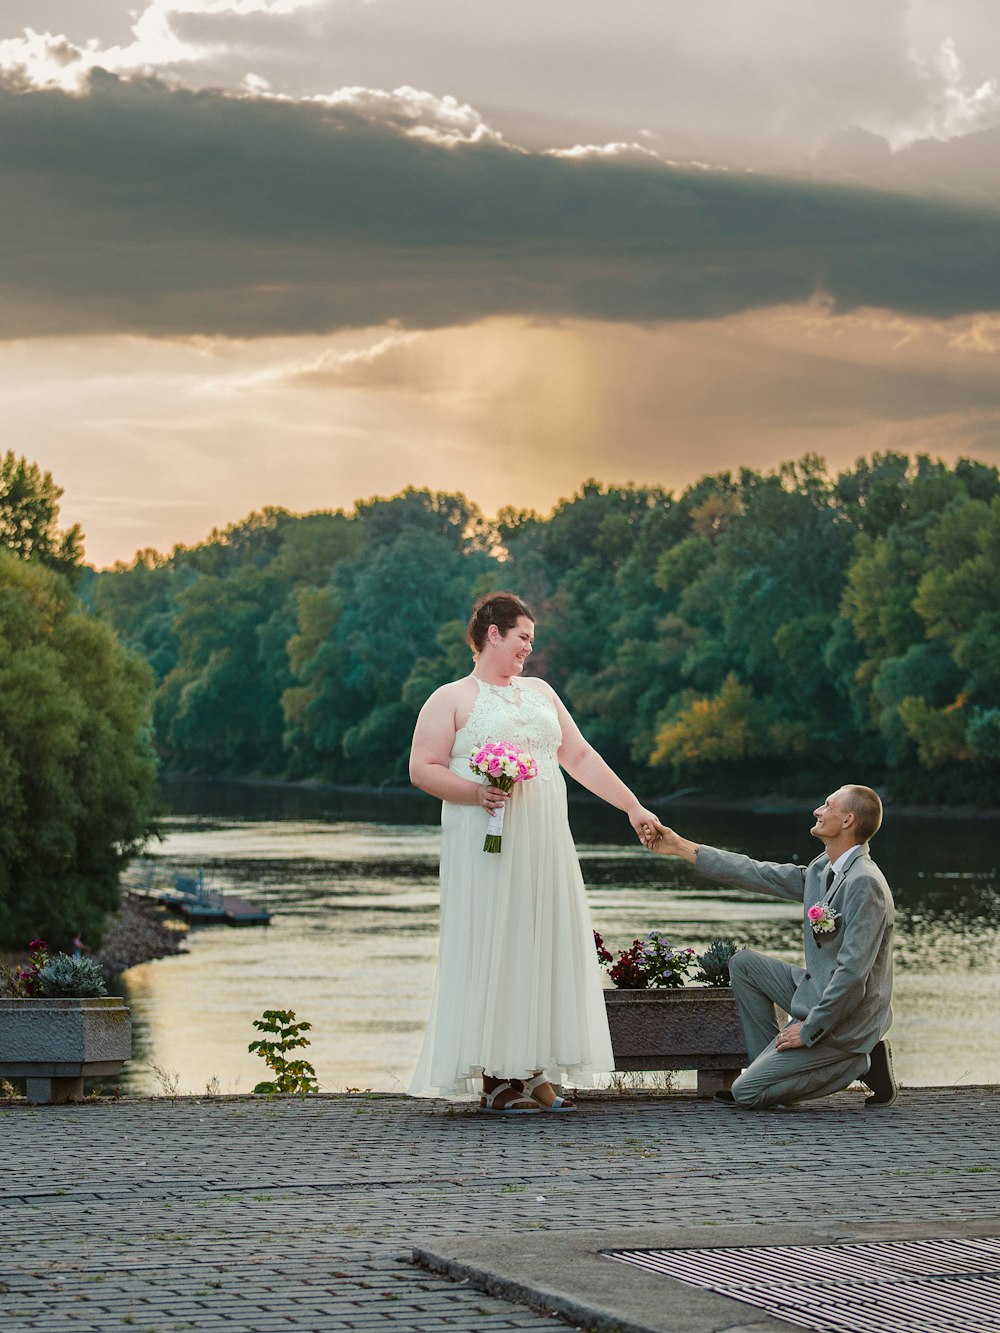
822,920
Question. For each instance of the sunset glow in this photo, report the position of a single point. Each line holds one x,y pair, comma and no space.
299,254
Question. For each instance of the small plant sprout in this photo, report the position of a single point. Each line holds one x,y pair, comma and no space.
167,1080
290,1076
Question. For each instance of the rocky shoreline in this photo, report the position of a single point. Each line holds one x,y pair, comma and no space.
139,931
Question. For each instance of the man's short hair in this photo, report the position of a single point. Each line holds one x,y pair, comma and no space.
866,807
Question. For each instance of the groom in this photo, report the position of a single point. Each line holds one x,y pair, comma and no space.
839,1002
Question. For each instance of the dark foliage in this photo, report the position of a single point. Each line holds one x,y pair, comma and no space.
758,631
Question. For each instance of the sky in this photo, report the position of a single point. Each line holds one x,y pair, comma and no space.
305,252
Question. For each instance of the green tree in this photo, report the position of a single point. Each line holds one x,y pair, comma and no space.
961,583
215,622
731,727
140,601
316,712
771,626
219,710
29,512
76,759
370,646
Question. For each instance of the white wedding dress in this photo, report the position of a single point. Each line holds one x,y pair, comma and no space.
518,985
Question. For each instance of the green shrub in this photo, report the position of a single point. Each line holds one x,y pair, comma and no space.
714,963
68,978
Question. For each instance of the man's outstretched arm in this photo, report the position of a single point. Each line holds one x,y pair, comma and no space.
770,877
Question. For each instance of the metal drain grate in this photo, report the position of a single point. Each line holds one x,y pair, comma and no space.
908,1286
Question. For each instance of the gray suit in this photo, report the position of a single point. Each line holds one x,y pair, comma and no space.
842,994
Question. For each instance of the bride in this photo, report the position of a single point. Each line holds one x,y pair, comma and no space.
517,998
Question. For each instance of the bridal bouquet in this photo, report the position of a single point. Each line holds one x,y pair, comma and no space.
502,764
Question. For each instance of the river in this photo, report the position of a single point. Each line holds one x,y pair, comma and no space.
351,881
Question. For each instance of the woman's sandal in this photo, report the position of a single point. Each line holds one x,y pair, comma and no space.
520,1104
558,1103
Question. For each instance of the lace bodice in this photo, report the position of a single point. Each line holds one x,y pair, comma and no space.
515,713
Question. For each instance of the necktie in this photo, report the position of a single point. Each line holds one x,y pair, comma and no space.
829,879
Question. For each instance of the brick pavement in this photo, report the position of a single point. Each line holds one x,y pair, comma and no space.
243,1214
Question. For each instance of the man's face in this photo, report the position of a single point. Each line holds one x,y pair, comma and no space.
830,817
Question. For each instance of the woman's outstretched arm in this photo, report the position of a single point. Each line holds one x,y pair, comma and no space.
582,762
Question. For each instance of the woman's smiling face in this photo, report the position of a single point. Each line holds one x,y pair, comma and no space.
512,650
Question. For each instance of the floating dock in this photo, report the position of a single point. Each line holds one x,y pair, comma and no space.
189,896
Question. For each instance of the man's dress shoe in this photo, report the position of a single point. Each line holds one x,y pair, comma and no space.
724,1095
880,1077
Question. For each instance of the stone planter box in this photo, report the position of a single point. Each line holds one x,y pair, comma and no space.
55,1044
693,1027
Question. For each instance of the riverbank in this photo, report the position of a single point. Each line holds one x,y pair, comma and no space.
138,932
688,798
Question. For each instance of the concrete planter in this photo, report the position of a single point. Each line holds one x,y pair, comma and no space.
693,1027
56,1044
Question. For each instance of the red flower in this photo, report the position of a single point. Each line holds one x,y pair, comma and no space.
629,973
28,977
603,954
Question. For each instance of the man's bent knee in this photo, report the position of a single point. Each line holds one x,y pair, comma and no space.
754,1096
743,964
737,964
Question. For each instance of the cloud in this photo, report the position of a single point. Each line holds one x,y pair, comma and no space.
965,168
143,208
392,363
194,434
606,150
440,120
168,35
42,60
958,106
747,82
756,84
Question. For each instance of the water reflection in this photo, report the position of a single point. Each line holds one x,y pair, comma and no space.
352,881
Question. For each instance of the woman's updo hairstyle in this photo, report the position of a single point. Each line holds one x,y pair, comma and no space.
503,609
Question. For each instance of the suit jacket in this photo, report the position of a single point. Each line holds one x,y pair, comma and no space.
843,992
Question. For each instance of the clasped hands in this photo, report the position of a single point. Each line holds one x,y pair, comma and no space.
657,837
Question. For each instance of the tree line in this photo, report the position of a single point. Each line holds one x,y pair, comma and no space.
77,763
759,631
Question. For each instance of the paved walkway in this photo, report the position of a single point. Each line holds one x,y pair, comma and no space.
244,1214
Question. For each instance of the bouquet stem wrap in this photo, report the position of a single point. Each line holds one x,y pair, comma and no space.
494,829
502,765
